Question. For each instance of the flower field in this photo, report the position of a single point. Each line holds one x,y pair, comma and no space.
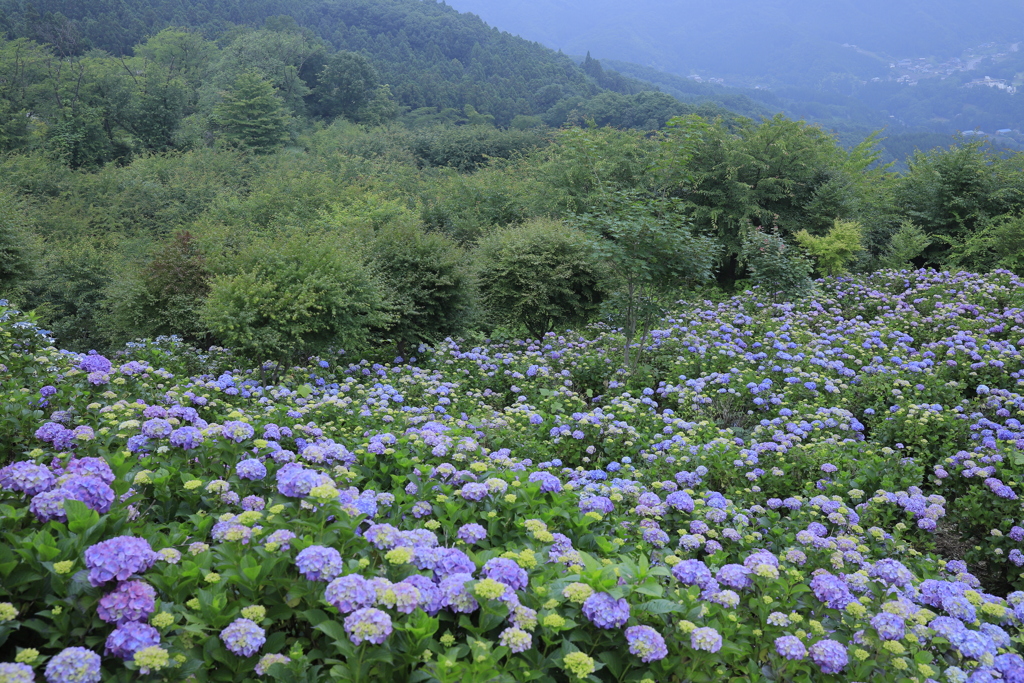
820,491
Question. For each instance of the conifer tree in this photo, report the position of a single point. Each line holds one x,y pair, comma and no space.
252,115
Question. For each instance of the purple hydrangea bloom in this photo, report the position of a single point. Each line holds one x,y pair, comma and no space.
17,673
889,626
157,428
474,491
680,500
130,601
282,537
92,491
472,533
254,503
319,563
187,437
601,504
368,625
829,655
130,637
49,505
973,644
118,558
452,561
74,665
790,647
243,637
947,627
549,483
349,593
646,643
604,611
26,477
706,639
430,594
251,469
692,573
94,362
91,467
402,597
831,590
455,596
891,572
237,431
295,481
507,572
960,608
734,576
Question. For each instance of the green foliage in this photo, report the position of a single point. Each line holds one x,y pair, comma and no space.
430,282
295,294
163,298
998,244
17,249
466,148
650,253
907,244
251,115
833,252
775,266
779,173
542,275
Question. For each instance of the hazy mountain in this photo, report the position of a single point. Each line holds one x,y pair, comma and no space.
766,42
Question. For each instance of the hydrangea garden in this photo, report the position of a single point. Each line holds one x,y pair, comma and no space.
826,490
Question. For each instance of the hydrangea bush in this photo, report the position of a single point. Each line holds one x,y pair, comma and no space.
826,490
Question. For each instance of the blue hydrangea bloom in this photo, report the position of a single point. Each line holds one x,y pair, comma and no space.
604,611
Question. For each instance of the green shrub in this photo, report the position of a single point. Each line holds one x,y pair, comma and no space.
541,275
907,244
430,282
776,266
296,294
834,251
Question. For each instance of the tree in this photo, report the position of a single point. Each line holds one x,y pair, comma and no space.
344,87
430,283
296,294
17,260
251,115
542,275
650,252
835,250
775,266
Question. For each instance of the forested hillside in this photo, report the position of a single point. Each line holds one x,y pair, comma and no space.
428,55
363,175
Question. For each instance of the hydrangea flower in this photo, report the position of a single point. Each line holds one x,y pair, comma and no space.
319,563
118,558
706,639
455,596
349,593
74,665
130,601
187,438
506,571
267,661
368,625
130,637
829,655
646,643
604,611
790,647
243,637
17,673
888,626
251,469
516,639
692,573
472,533
26,477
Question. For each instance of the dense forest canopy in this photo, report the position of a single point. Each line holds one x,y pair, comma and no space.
395,172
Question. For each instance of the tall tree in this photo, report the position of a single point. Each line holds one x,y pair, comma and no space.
251,115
